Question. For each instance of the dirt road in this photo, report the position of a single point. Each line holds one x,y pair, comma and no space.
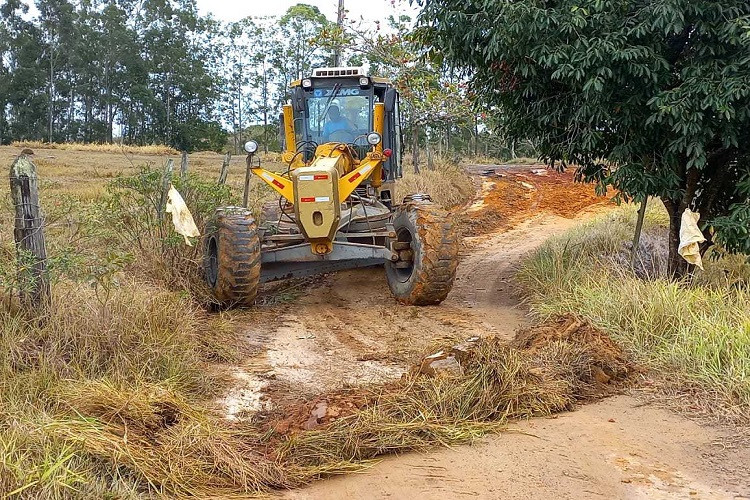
617,448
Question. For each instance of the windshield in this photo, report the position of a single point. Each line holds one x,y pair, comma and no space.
338,114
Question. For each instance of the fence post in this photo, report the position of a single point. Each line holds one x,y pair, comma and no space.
34,287
166,181
638,229
184,165
248,169
225,168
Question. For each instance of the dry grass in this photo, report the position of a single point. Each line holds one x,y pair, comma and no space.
698,332
449,185
85,174
151,149
149,437
140,337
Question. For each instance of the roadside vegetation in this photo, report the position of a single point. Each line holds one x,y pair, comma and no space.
694,333
110,392
447,183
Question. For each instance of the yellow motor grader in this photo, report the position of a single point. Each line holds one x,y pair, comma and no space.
335,208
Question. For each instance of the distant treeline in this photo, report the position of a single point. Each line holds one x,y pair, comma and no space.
151,71
157,72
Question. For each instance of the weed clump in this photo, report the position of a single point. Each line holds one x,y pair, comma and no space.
448,184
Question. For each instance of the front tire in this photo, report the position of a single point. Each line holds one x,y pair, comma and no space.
427,244
231,260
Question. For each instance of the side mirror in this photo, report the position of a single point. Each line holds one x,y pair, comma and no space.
389,100
298,99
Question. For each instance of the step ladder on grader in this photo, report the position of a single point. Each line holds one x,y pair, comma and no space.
335,207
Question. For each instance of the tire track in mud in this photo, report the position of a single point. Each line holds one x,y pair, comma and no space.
346,330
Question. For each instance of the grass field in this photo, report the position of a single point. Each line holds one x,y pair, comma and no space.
86,173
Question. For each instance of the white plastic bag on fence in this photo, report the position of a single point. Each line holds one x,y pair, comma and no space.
181,216
690,238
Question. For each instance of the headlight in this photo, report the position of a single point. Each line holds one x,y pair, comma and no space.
374,138
251,147
307,83
364,81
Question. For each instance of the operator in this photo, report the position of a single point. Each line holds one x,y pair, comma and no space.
336,123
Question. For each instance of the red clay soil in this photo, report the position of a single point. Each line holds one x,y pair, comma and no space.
516,196
321,410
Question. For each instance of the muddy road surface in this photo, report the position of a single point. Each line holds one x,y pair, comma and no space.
344,330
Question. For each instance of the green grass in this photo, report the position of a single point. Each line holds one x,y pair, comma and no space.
697,332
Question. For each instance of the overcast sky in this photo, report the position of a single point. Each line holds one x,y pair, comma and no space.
233,10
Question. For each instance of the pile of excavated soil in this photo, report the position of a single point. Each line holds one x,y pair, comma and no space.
596,363
510,196
547,368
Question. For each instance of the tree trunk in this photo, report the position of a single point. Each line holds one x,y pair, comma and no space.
476,136
265,109
415,146
51,95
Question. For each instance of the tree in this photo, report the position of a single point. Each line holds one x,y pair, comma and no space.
649,97
56,18
300,45
26,100
433,99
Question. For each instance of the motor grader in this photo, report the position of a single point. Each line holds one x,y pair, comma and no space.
341,135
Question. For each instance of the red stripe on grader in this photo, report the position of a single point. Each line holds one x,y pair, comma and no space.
355,177
278,184
320,177
307,200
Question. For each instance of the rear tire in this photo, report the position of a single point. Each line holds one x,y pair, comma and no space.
425,234
231,260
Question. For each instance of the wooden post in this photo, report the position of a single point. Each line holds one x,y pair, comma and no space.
34,287
166,181
184,165
638,228
225,168
248,168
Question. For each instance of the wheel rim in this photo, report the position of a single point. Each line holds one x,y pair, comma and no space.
212,261
404,273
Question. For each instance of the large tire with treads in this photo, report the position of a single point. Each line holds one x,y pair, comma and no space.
426,235
231,259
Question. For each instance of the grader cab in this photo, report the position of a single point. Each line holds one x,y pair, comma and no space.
335,208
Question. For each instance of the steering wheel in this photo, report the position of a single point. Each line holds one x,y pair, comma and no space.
306,145
341,136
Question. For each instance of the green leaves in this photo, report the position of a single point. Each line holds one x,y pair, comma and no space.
658,90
